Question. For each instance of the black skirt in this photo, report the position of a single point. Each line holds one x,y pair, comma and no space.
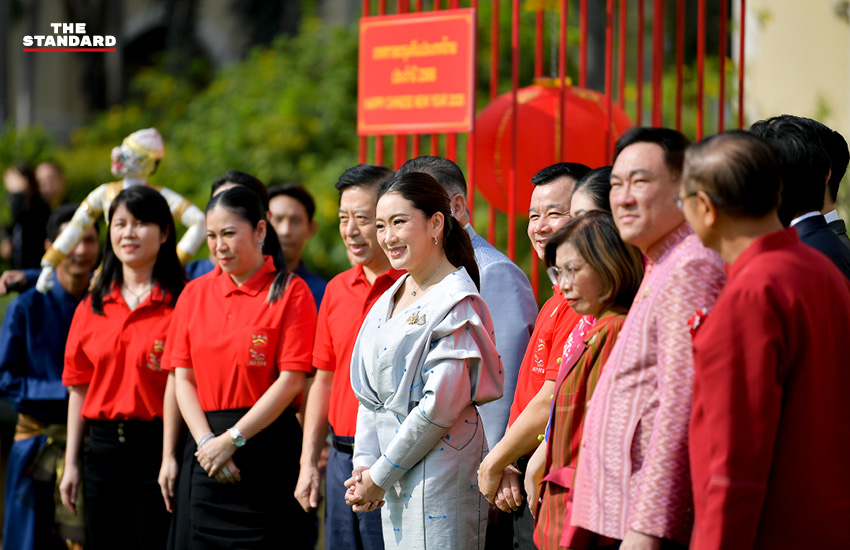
258,512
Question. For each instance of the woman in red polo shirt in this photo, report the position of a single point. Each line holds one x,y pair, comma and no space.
240,345
117,388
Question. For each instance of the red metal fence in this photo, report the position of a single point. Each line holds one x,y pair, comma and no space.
629,71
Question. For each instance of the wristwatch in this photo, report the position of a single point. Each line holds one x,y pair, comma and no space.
236,437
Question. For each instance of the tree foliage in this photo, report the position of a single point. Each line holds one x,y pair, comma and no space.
287,113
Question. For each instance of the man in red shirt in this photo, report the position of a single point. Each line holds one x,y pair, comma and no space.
499,479
331,402
769,434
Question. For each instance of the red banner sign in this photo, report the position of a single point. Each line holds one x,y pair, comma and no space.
416,73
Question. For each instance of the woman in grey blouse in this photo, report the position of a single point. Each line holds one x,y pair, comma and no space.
424,359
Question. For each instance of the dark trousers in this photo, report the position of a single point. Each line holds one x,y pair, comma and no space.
123,503
344,528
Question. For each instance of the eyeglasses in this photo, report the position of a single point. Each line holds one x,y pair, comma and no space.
680,200
568,271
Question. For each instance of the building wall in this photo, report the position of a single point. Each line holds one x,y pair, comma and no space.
798,60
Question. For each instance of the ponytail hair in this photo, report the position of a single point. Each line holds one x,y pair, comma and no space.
248,206
429,197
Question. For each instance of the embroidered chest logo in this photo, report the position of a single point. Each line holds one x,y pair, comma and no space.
416,319
155,355
538,365
257,350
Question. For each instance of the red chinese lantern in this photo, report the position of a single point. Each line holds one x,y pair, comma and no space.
539,143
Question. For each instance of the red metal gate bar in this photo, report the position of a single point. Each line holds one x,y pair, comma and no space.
680,59
470,137
721,101
494,92
562,77
639,76
657,59
451,139
514,130
741,66
700,65
364,143
582,51
621,55
609,60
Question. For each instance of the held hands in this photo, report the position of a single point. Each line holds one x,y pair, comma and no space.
509,497
215,457
363,495
501,487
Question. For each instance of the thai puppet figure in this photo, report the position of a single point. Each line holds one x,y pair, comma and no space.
133,161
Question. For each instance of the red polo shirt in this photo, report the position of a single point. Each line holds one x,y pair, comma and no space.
236,343
542,359
118,354
348,298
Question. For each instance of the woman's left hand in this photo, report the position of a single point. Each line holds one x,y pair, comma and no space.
215,454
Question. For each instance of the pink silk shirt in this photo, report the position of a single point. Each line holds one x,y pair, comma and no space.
633,473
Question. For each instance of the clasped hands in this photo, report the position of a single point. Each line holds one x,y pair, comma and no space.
215,457
363,495
501,487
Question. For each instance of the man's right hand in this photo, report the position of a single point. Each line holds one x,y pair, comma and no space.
307,489
45,280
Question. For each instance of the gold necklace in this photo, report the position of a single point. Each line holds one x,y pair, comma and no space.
419,287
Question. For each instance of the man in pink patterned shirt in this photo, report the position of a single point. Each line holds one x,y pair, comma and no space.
633,482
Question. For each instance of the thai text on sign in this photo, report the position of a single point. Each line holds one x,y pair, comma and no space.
416,73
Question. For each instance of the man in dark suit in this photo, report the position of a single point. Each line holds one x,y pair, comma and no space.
839,157
805,168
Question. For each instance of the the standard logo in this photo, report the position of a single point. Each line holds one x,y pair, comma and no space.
69,37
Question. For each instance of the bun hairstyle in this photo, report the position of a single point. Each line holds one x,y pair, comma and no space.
429,197
147,205
248,206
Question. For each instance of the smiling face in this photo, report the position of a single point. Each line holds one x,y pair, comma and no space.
234,243
579,282
406,235
357,227
548,211
135,242
643,191
82,259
